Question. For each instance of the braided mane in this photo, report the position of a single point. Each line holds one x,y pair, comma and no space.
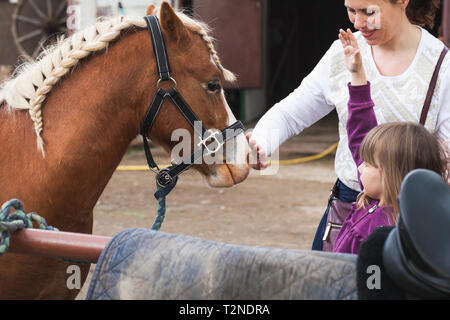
30,84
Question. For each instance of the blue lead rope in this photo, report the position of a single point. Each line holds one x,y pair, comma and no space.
160,195
16,221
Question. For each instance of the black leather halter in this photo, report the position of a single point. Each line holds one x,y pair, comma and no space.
167,177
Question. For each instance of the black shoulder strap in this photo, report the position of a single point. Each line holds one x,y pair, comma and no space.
429,97
159,47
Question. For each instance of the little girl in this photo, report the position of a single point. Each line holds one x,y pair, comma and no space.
383,154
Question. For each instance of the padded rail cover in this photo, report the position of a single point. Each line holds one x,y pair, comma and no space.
146,264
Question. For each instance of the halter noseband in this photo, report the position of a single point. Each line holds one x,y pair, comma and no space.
168,176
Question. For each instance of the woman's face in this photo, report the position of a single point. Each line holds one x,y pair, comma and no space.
378,20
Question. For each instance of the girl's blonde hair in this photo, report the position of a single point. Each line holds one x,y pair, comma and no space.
397,148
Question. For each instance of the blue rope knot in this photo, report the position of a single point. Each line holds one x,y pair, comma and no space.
18,219
160,195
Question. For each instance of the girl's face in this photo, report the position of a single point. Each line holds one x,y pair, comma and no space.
370,177
378,20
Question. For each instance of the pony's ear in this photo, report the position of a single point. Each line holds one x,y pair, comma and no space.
150,9
173,26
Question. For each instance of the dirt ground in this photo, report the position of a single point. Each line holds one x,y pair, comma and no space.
280,210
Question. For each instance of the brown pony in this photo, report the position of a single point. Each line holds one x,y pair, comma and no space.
86,98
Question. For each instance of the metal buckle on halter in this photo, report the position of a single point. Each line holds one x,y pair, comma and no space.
214,135
170,79
163,178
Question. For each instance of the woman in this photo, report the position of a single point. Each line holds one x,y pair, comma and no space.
399,57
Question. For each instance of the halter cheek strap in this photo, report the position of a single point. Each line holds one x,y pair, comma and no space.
159,47
168,177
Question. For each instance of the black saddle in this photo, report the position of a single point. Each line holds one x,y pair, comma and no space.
416,253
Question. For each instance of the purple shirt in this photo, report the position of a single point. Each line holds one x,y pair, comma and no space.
359,224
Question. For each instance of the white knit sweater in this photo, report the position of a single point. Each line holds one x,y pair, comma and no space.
398,98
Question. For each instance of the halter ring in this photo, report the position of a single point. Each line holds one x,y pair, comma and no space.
163,178
170,79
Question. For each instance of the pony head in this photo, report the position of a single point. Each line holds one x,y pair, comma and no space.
199,77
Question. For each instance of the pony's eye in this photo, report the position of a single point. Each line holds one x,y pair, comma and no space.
213,87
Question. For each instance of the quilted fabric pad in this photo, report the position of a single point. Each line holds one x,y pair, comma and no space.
146,264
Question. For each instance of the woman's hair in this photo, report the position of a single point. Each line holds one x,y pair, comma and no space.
421,12
397,148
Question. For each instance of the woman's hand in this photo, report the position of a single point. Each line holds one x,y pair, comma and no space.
353,57
256,152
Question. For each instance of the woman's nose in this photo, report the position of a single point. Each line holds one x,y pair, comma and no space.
360,22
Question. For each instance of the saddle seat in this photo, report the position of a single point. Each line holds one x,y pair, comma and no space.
416,254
